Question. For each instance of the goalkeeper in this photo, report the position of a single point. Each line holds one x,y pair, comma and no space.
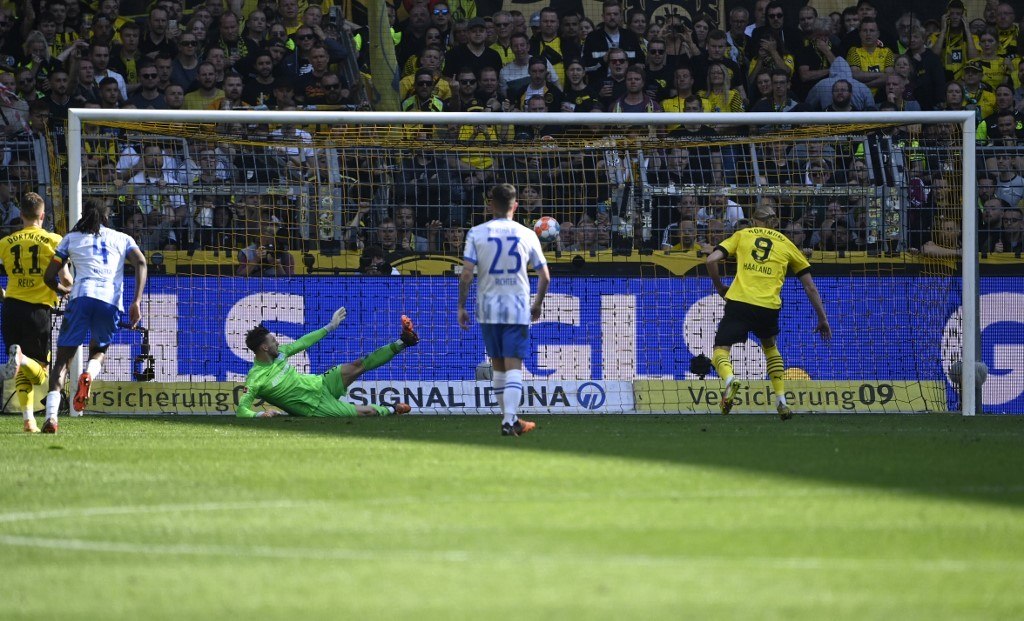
752,302
276,382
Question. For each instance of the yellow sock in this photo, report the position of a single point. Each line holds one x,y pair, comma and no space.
722,363
23,387
35,372
773,362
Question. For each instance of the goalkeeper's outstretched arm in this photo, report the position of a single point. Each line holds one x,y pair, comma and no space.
314,337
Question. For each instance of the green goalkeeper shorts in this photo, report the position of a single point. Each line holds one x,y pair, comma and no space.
332,389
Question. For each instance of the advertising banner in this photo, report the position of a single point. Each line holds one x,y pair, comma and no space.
601,329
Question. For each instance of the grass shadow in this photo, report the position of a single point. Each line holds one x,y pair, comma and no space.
975,459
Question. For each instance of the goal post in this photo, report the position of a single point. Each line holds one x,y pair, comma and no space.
629,158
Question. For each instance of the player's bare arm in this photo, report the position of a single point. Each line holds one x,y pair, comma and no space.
716,257
53,279
138,261
543,280
811,290
465,280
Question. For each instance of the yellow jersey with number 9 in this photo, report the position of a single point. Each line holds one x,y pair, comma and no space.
25,255
763,257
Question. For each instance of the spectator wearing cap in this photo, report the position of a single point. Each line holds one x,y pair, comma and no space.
954,43
610,36
551,46
976,96
474,54
534,23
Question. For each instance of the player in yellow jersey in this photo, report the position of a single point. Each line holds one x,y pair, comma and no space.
28,303
752,302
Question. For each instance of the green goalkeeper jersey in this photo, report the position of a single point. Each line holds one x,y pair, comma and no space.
279,384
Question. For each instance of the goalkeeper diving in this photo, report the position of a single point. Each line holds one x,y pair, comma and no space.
275,381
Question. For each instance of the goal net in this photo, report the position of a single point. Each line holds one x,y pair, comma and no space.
281,217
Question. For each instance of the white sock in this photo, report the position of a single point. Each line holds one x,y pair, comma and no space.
28,414
513,393
93,368
498,381
52,404
781,400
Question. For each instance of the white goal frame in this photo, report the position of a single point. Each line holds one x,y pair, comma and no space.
965,119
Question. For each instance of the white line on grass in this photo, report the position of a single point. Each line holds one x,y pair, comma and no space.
533,557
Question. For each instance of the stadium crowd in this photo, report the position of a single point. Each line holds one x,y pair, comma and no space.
463,56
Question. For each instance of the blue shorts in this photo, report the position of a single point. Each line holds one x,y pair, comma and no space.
84,316
504,340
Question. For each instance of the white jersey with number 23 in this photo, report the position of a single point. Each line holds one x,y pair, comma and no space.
502,250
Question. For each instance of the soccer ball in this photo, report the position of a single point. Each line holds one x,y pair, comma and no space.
547,229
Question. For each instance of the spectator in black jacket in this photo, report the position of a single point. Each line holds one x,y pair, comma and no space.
607,37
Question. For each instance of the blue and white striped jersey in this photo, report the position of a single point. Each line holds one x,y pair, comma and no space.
99,263
502,249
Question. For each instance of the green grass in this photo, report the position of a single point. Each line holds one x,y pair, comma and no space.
657,517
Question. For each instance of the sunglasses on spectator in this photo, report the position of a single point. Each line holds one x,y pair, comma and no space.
147,75
187,43
467,82
425,83
305,36
440,11
775,16
655,51
335,85
616,60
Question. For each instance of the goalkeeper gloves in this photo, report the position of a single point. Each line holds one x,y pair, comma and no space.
339,316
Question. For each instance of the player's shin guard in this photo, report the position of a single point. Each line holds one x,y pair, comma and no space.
382,355
773,362
723,363
513,393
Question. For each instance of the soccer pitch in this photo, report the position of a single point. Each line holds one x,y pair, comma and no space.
644,517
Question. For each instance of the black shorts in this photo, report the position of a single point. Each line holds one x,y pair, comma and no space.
741,318
28,325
